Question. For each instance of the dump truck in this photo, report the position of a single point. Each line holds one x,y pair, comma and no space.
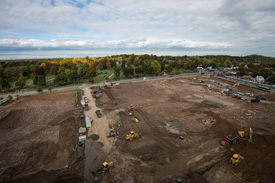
229,139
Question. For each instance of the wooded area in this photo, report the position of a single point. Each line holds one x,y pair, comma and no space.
18,74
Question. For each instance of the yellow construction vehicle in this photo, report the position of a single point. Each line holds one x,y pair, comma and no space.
236,159
131,107
195,78
105,167
246,134
112,132
135,119
235,85
132,136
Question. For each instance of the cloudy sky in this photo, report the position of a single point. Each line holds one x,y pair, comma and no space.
76,28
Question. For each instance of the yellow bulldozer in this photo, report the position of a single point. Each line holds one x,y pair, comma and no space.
246,134
131,107
236,159
135,119
132,136
105,167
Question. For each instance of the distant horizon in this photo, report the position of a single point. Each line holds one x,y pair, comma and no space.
102,54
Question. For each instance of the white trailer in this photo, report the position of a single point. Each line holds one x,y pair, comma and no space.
88,122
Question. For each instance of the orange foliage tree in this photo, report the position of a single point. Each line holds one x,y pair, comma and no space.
108,64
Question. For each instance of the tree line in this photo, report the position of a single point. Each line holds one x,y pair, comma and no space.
67,71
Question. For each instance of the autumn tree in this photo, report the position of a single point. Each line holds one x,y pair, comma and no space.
108,64
53,69
92,68
43,65
137,62
100,66
20,83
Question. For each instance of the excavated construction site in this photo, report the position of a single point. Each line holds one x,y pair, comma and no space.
181,123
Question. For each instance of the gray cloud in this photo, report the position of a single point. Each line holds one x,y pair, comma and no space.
245,27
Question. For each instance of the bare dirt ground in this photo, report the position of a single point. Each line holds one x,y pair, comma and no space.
39,138
171,108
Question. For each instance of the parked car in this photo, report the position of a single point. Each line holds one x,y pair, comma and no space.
81,116
251,95
243,98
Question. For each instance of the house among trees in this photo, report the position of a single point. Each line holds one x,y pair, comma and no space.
260,79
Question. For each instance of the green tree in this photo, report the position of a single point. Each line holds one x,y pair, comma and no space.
39,88
83,70
41,80
71,75
34,78
169,68
128,71
20,83
61,79
11,73
117,71
4,84
25,70
50,87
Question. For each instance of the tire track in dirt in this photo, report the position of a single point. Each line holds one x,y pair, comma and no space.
158,139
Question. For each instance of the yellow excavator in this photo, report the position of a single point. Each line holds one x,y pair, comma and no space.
131,107
132,136
236,159
235,85
105,167
112,132
135,119
246,134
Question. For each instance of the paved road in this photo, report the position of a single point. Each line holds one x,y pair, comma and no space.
245,83
67,88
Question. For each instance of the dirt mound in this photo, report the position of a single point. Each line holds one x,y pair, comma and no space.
11,119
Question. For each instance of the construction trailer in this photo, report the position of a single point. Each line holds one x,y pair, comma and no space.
88,122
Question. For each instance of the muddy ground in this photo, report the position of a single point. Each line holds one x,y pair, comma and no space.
39,138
